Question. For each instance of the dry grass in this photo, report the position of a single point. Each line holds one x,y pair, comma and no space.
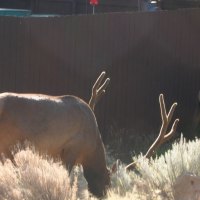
155,178
40,178
35,177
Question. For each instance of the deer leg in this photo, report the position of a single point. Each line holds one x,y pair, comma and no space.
68,158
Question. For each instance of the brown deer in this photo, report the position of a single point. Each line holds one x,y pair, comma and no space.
62,126
163,136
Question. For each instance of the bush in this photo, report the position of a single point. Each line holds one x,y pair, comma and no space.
35,177
39,177
157,176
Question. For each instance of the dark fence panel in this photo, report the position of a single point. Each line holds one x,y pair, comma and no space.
68,7
143,53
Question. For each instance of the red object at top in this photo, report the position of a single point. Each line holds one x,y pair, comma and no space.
94,2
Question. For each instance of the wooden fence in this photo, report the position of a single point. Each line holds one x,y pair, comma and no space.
68,7
143,53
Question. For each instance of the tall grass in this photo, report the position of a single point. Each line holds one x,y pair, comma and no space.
38,177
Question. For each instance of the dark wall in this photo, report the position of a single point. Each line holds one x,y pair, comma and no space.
145,54
179,4
22,4
68,7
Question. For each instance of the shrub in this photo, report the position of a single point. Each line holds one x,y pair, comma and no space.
38,177
157,177
35,177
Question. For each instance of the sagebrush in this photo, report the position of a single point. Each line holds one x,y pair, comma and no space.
38,177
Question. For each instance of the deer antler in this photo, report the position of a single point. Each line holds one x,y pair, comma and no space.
166,118
163,136
98,90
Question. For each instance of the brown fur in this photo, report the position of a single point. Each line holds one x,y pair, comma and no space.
62,126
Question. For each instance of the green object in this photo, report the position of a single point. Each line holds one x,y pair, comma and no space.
14,12
45,15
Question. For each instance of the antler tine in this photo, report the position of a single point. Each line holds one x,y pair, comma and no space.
98,90
101,91
98,81
163,136
166,118
162,108
169,135
172,132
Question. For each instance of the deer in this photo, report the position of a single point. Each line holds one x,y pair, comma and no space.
66,126
63,126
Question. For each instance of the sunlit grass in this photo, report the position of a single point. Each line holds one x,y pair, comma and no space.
38,177
155,178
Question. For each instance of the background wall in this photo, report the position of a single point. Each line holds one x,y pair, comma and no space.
143,53
70,6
